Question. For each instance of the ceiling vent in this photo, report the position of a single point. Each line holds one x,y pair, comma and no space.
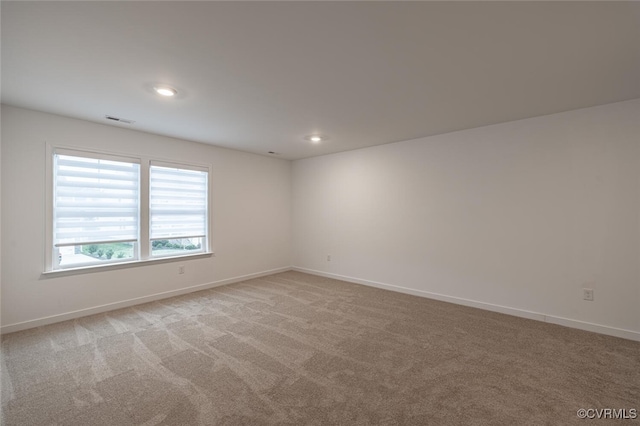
119,120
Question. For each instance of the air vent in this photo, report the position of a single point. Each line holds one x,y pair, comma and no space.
119,120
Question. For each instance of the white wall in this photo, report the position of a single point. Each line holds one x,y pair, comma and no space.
515,217
251,219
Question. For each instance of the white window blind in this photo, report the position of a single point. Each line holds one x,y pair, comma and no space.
177,202
95,200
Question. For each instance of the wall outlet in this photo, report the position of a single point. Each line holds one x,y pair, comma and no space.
181,269
328,258
587,294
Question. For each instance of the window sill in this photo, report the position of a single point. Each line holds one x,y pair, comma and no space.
122,265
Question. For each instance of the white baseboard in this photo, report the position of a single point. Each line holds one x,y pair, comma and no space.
132,302
567,322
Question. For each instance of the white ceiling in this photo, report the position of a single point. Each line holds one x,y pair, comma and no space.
260,76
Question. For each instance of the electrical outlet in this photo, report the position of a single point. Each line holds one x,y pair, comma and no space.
181,269
328,258
587,294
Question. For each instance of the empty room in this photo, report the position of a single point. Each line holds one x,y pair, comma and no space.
320,213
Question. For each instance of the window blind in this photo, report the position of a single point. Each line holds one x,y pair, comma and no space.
177,203
95,200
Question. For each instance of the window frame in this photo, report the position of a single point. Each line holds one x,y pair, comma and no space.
143,243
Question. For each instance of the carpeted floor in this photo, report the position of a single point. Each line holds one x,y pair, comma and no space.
298,349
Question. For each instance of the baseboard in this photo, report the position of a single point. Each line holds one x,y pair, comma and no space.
132,302
567,322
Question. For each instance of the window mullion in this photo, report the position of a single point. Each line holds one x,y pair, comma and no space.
144,246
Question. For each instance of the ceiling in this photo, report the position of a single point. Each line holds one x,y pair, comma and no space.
260,76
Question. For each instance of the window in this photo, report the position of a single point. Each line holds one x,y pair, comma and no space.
98,215
178,210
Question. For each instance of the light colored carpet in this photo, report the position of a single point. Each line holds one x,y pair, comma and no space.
298,349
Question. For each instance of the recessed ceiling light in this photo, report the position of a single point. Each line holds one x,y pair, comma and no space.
165,91
316,138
